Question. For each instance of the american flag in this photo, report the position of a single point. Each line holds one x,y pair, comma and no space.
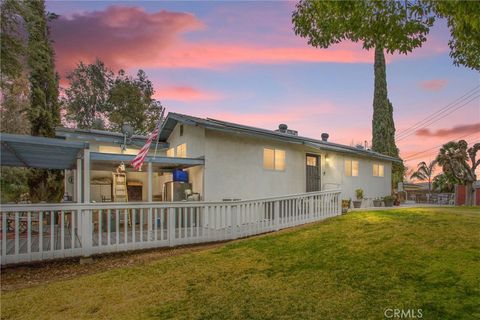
137,162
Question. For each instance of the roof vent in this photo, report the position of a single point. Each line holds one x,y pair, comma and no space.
283,128
325,136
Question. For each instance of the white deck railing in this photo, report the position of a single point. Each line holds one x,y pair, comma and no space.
40,232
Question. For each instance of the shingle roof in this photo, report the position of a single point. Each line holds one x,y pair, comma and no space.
213,124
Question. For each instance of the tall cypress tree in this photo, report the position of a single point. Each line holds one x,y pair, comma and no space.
388,25
44,110
383,126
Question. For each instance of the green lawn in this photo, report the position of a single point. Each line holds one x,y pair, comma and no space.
350,267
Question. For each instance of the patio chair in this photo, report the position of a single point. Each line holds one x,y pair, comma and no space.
191,196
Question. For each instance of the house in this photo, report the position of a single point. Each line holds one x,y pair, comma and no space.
228,161
241,181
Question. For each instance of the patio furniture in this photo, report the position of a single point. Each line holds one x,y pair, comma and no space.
191,196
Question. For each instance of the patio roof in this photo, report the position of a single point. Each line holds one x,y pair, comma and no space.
103,136
39,152
107,161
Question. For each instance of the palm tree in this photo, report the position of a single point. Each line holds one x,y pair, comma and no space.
425,173
461,162
444,182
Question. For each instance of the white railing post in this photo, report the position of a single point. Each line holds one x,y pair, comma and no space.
233,221
276,215
149,198
87,232
310,208
339,203
149,224
171,226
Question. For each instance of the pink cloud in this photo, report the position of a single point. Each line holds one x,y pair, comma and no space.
213,55
130,37
185,93
121,36
434,84
463,129
125,37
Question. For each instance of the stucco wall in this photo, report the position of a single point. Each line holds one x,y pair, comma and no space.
234,168
193,136
373,187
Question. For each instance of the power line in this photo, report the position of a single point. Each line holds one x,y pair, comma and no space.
412,156
431,117
440,118
448,106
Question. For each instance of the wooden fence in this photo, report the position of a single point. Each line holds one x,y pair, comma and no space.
40,232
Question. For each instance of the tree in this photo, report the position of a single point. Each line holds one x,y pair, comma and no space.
12,48
389,26
425,173
460,161
463,20
131,102
445,182
86,98
43,112
15,91
14,78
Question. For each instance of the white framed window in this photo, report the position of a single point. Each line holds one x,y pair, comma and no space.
351,168
378,170
182,150
171,152
274,159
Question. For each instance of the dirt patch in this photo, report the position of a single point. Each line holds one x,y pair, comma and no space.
28,275
43,272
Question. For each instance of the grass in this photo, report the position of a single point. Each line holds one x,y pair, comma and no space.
350,267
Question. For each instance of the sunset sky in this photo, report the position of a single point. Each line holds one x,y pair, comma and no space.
241,62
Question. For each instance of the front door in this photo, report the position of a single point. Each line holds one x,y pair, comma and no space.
313,173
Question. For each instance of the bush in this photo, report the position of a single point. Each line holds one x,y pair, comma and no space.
359,194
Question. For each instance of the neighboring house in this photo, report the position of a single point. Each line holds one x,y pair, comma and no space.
228,161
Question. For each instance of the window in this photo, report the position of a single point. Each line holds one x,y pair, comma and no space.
181,130
279,159
311,161
182,150
273,159
351,168
378,170
171,152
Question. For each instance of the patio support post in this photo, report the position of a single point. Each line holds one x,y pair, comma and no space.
86,176
78,181
87,213
149,198
149,182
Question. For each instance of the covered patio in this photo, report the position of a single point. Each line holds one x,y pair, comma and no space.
80,165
